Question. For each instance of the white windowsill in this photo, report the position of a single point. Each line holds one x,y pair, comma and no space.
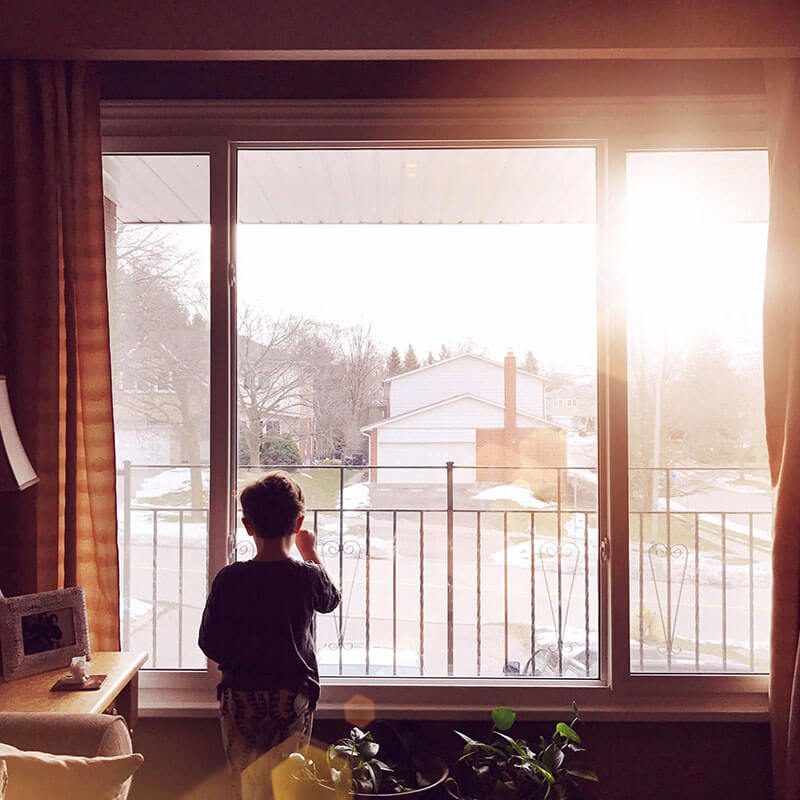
729,707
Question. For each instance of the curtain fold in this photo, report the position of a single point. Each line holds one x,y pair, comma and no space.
782,408
54,339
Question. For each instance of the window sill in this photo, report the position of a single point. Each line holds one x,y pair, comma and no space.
603,706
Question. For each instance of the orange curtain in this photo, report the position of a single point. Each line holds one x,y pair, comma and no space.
782,404
54,339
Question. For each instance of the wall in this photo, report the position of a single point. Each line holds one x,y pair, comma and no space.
636,761
357,80
395,28
536,447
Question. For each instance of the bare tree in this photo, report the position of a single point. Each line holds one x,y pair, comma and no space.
160,340
362,370
278,363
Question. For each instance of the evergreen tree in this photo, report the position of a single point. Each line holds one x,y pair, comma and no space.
394,366
443,352
531,364
430,358
410,361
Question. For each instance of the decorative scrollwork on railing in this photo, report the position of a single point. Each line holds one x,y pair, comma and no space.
347,547
678,554
245,548
337,645
569,555
340,548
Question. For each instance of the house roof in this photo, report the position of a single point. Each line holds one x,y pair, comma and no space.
422,409
454,358
578,391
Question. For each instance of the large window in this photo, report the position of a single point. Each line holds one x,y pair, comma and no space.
402,309
518,380
157,237
699,486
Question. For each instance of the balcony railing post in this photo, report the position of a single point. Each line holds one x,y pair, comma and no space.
126,550
450,602
341,564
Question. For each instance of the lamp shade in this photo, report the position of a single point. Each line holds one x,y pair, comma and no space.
16,472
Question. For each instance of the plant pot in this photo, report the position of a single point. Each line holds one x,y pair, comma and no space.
434,767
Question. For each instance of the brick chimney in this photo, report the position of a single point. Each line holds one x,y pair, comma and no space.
510,414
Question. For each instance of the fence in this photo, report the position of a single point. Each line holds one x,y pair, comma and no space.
462,579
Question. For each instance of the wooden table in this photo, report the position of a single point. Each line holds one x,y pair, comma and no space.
118,694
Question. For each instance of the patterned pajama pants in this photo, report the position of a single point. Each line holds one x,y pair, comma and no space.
258,730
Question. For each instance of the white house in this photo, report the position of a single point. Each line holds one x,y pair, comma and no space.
467,409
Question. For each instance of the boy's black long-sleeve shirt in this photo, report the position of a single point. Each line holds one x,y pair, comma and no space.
258,624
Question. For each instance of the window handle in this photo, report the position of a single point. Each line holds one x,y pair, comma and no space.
604,549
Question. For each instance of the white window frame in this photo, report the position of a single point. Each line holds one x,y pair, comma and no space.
614,127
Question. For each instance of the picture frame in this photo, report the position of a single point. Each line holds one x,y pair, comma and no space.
43,631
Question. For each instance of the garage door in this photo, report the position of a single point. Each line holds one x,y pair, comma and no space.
435,454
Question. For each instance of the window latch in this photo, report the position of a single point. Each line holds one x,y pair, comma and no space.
604,549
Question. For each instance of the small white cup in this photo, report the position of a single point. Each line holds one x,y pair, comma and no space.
79,669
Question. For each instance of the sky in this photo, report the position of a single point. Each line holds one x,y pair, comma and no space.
519,287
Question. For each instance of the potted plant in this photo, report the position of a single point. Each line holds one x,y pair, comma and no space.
351,768
505,767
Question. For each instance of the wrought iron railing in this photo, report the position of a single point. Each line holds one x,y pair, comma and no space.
461,585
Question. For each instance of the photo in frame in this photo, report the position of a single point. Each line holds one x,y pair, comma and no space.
41,632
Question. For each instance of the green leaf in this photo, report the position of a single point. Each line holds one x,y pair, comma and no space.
487,748
503,718
543,771
567,732
374,780
512,743
368,749
467,739
586,774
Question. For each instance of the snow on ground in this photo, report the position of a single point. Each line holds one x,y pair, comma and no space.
519,555
356,496
195,534
581,450
517,494
761,535
168,481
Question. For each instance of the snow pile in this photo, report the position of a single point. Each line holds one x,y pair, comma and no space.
356,496
516,494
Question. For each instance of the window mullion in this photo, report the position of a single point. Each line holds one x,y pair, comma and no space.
613,412
222,365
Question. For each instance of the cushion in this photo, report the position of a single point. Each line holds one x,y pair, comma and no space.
3,779
33,775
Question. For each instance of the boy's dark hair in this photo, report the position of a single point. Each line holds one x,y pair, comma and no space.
272,504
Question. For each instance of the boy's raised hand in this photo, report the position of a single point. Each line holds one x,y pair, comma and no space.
306,544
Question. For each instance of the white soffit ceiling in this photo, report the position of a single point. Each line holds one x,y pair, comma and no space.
158,189
443,186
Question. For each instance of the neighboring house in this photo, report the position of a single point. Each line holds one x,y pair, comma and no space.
573,406
467,409
157,418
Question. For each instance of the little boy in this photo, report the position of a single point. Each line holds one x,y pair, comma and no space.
258,625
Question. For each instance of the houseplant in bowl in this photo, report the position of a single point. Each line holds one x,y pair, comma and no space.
351,767
506,768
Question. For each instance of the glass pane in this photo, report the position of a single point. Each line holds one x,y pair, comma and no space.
158,251
379,293
699,485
